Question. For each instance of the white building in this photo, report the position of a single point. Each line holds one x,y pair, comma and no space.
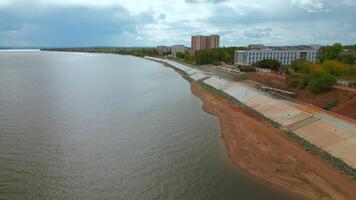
178,49
284,54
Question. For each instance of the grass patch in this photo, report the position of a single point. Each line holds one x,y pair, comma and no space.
332,104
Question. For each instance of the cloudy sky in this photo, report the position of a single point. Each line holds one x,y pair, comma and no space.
69,23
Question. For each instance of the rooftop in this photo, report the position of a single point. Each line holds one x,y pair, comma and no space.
283,48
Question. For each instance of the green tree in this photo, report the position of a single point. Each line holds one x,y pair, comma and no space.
268,64
335,67
209,56
180,55
300,65
350,47
322,83
329,52
347,58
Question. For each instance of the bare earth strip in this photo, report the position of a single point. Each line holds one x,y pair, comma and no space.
266,152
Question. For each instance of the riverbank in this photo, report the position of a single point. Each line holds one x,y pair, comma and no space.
138,52
268,153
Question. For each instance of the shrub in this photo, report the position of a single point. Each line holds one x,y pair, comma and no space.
216,63
247,68
180,55
304,66
331,104
335,67
208,56
322,83
299,81
348,59
268,64
329,52
352,70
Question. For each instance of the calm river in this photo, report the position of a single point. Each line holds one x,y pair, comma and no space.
95,126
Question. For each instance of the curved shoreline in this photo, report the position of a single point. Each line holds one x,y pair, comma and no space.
330,138
271,156
270,153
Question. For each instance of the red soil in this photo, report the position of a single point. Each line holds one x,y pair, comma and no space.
265,152
346,97
346,101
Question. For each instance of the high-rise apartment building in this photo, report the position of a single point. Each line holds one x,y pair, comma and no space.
205,42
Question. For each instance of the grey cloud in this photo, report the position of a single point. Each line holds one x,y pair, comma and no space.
162,16
223,15
70,25
258,33
292,23
313,5
273,21
206,1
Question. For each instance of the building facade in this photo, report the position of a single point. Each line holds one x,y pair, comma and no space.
163,50
284,54
178,49
205,42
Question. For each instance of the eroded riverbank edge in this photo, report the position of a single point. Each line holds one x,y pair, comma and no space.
279,160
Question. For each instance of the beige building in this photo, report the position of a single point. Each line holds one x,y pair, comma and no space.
178,49
163,50
205,42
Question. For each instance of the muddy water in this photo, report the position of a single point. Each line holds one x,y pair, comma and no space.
94,126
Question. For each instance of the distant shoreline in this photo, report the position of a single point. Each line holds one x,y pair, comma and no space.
138,52
10,50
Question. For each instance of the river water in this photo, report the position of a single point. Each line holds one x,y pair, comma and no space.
95,126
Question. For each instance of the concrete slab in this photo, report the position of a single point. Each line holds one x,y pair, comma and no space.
276,110
198,76
324,134
154,59
217,83
179,66
336,140
301,123
345,150
193,71
241,92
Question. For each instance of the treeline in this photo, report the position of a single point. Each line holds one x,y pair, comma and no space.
210,56
320,77
141,52
345,54
268,64
350,47
335,62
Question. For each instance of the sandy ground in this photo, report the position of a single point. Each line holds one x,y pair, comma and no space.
263,151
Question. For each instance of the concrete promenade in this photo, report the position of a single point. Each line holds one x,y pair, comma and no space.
328,132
